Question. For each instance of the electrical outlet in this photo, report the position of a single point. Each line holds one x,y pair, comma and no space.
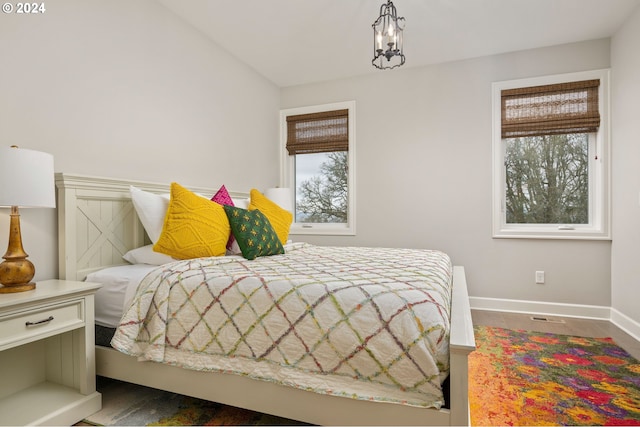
540,277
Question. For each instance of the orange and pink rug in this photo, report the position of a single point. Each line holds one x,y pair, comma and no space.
531,378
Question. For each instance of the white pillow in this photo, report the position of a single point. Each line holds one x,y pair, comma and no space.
240,203
151,209
146,255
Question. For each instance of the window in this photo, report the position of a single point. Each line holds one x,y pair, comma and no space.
318,165
551,157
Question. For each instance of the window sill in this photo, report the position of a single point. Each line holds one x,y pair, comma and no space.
576,234
321,230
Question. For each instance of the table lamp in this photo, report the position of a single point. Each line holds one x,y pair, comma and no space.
280,196
26,180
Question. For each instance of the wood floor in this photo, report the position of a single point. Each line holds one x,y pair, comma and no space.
558,325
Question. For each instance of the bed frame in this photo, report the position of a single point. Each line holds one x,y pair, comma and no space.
97,224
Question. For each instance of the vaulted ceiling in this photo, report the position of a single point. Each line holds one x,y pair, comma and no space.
294,42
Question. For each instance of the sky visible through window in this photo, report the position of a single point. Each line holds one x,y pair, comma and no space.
307,166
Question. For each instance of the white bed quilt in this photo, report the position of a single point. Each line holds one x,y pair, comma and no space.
363,323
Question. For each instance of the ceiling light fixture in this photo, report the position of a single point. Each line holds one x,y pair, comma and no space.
387,38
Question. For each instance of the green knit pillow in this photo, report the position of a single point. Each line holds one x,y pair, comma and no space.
253,232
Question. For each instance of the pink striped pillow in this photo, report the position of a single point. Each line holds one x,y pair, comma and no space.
223,198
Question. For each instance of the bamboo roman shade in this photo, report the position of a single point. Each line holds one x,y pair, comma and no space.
551,109
322,132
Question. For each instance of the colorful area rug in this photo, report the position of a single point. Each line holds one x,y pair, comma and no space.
531,378
125,404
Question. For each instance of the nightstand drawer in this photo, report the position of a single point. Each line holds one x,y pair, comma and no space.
25,326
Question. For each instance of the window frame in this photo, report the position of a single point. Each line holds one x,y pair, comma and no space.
599,226
287,171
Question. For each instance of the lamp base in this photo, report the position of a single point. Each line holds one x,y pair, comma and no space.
9,289
16,275
16,271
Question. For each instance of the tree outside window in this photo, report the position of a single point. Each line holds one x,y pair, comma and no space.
547,179
324,197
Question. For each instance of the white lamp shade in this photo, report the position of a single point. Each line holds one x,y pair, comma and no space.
281,197
26,178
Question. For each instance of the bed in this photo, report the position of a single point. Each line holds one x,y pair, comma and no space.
98,225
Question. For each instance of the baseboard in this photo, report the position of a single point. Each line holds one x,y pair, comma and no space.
625,323
539,307
622,321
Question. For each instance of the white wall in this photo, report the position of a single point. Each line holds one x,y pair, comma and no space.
625,264
126,89
424,172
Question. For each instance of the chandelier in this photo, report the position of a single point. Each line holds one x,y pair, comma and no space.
387,38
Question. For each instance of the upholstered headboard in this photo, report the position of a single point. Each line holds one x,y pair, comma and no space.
97,223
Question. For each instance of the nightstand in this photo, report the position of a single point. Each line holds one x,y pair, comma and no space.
47,354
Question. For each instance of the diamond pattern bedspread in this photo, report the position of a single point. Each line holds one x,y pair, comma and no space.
363,323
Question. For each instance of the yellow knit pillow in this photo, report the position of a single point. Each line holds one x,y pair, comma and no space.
194,227
279,218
